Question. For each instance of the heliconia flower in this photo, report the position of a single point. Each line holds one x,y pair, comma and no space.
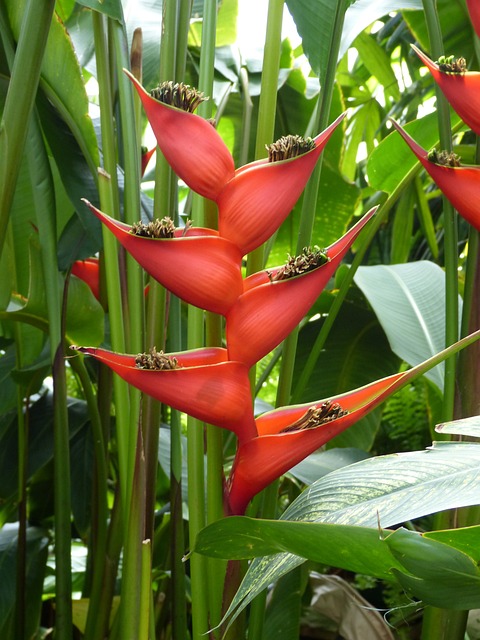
196,264
200,382
288,435
460,184
461,88
271,307
191,145
474,11
89,271
256,201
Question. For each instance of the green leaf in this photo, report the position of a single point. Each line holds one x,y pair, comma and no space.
466,539
315,18
357,549
36,557
455,26
442,576
409,300
62,81
464,427
40,446
392,160
388,489
378,63
85,316
110,8
319,463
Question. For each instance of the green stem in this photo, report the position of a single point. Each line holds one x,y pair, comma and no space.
61,459
42,183
98,544
307,217
109,203
450,219
438,621
268,101
20,98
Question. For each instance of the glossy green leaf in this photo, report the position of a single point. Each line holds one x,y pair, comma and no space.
392,160
315,18
40,447
442,576
111,8
465,539
357,549
319,463
62,82
36,550
387,490
85,316
409,300
378,63
463,427
454,24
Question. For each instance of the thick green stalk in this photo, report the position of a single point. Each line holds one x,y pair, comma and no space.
20,98
109,203
131,207
450,217
98,544
42,183
443,621
133,580
307,217
268,101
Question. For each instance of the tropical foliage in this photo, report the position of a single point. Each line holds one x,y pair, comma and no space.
238,304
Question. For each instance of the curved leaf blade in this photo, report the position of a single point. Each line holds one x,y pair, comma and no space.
392,488
409,301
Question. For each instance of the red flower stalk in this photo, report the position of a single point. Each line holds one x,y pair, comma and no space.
269,309
474,11
461,185
197,264
254,200
89,271
200,382
462,90
257,200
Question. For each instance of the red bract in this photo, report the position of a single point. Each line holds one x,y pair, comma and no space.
261,195
205,385
269,310
191,145
462,90
146,159
88,270
260,461
461,185
197,265
254,200
474,11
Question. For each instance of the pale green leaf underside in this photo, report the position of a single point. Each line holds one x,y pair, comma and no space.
409,301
